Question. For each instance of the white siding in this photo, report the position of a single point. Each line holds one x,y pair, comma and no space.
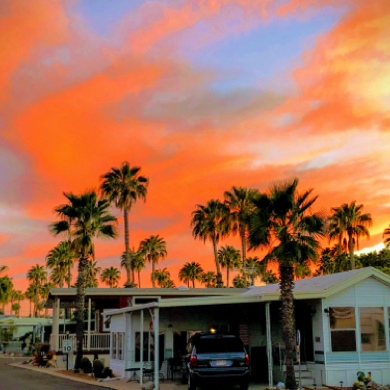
343,366
118,324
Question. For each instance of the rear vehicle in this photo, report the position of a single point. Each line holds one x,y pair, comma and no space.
216,358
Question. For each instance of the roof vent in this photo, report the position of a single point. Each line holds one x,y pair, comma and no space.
183,288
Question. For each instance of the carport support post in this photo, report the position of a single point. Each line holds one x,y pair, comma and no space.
156,349
269,344
89,325
141,329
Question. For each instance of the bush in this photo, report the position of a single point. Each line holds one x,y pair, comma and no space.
86,365
98,368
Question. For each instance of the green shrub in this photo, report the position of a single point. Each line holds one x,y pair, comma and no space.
98,368
86,365
107,372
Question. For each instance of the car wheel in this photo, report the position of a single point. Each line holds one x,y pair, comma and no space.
191,383
244,385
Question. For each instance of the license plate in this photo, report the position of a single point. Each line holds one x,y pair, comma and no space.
221,363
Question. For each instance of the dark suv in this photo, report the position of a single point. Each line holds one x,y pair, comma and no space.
216,358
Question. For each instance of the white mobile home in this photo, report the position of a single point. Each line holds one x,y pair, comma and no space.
343,319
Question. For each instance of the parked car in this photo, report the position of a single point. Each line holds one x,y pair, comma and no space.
215,358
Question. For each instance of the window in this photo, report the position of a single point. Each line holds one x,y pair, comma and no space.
343,329
372,329
118,341
148,354
114,345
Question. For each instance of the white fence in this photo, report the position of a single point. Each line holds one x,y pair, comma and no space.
99,341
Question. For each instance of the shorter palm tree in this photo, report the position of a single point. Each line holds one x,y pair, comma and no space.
229,258
191,272
6,287
162,278
138,262
133,261
386,237
91,274
240,282
269,278
302,271
37,276
111,276
16,296
209,279
60,260
16,308
153,248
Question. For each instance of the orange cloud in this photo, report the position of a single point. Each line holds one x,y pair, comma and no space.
25,25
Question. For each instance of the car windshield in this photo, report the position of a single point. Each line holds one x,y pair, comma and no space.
209,345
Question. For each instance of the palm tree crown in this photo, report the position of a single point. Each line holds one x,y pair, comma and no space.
111,276
191,272
163,278
153,248
60,260
347,224
124,186
211,222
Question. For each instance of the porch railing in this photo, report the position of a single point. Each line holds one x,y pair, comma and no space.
99,341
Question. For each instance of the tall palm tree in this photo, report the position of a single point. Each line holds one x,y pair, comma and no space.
230,258
60,260
92,272
191,272
37,275
85,218
153,248
211,222
347,224
124,186
111,276
162,277
209,279
283,221
240,203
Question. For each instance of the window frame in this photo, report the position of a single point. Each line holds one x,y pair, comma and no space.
355,330
384,327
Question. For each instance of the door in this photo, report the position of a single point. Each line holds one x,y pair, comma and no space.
304,322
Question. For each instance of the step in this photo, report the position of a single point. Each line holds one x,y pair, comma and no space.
296,367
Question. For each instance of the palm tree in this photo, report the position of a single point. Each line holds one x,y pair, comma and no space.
161,277
209,279
327,264
386,238
169,284
133,261
302,271
16,296
269,278
15,308
92,272
347,224
37,275
29,294
210,222
240,282
153,248
6,286
283,221
45,289
60,260
240,203
84,218
111,276
124,186
230,258
191,272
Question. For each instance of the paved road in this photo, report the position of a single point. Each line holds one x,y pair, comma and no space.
14,378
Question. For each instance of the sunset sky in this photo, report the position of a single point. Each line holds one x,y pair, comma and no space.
203,95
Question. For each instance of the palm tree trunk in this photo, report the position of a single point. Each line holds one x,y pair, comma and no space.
80,306
139,279
30,308
219,275
127,245
193,283
287,319
69,276
153,270
227,274
351,254
243,244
